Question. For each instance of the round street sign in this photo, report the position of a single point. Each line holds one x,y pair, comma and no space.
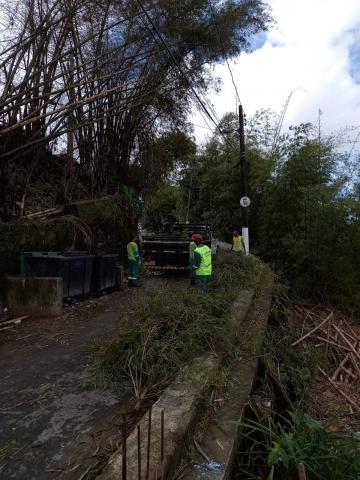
245,201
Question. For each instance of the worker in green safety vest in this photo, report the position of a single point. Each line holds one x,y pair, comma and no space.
238,245
202,264
133,262
192,248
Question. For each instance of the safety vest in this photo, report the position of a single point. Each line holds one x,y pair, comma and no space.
132,251
205,264
192,248
237,244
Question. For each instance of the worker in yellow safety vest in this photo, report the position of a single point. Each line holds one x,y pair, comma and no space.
133,262
202,264
192,248
238,245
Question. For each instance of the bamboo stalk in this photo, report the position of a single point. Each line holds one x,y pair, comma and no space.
356,407
61,109
124,448
355,365
301,471
14,320
43,213
327,336
57,93
355,335
111,112
74,49
148,447
349,373
337,345
312,331
139,451
347,341
337,371
162,444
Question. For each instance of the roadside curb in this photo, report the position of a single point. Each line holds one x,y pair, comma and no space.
181,404
221,438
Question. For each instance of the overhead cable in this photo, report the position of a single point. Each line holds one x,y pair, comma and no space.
162,40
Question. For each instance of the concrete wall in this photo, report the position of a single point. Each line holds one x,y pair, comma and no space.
35,296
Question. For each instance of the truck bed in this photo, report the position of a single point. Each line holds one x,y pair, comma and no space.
170,250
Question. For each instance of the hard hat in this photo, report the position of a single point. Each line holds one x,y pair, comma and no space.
196,238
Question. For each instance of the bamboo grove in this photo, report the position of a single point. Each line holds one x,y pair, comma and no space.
86,86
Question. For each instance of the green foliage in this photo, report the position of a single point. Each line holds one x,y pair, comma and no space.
303,216
296,367
55,235
287,442
215,182
164,156
169,155
161,206
174,325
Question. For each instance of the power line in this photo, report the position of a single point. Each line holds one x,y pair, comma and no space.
201,126
224,52
280,124
201,102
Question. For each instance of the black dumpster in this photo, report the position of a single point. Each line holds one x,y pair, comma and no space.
104,273
75,270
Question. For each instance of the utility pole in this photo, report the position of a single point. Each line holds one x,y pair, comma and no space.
244,201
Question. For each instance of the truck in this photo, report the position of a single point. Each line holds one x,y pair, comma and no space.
169,248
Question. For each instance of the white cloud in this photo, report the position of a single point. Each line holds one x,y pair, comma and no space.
308,51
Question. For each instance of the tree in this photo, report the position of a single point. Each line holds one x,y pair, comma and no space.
304,217
161,207
93,80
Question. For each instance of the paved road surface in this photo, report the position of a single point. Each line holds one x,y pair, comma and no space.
51,423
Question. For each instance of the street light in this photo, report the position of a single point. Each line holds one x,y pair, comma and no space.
244,200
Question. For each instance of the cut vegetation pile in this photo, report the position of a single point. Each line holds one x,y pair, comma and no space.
339,344
309,427
173,324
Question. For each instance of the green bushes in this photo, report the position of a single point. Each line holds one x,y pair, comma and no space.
295,367
286,443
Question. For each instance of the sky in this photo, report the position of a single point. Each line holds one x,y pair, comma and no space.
313,51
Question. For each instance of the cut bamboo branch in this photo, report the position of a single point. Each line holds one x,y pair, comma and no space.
7,328
327,336
349,373
352,348
337,371
312,331
337,345
356,365
354,334
355,405
347,334
43,213
14,320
